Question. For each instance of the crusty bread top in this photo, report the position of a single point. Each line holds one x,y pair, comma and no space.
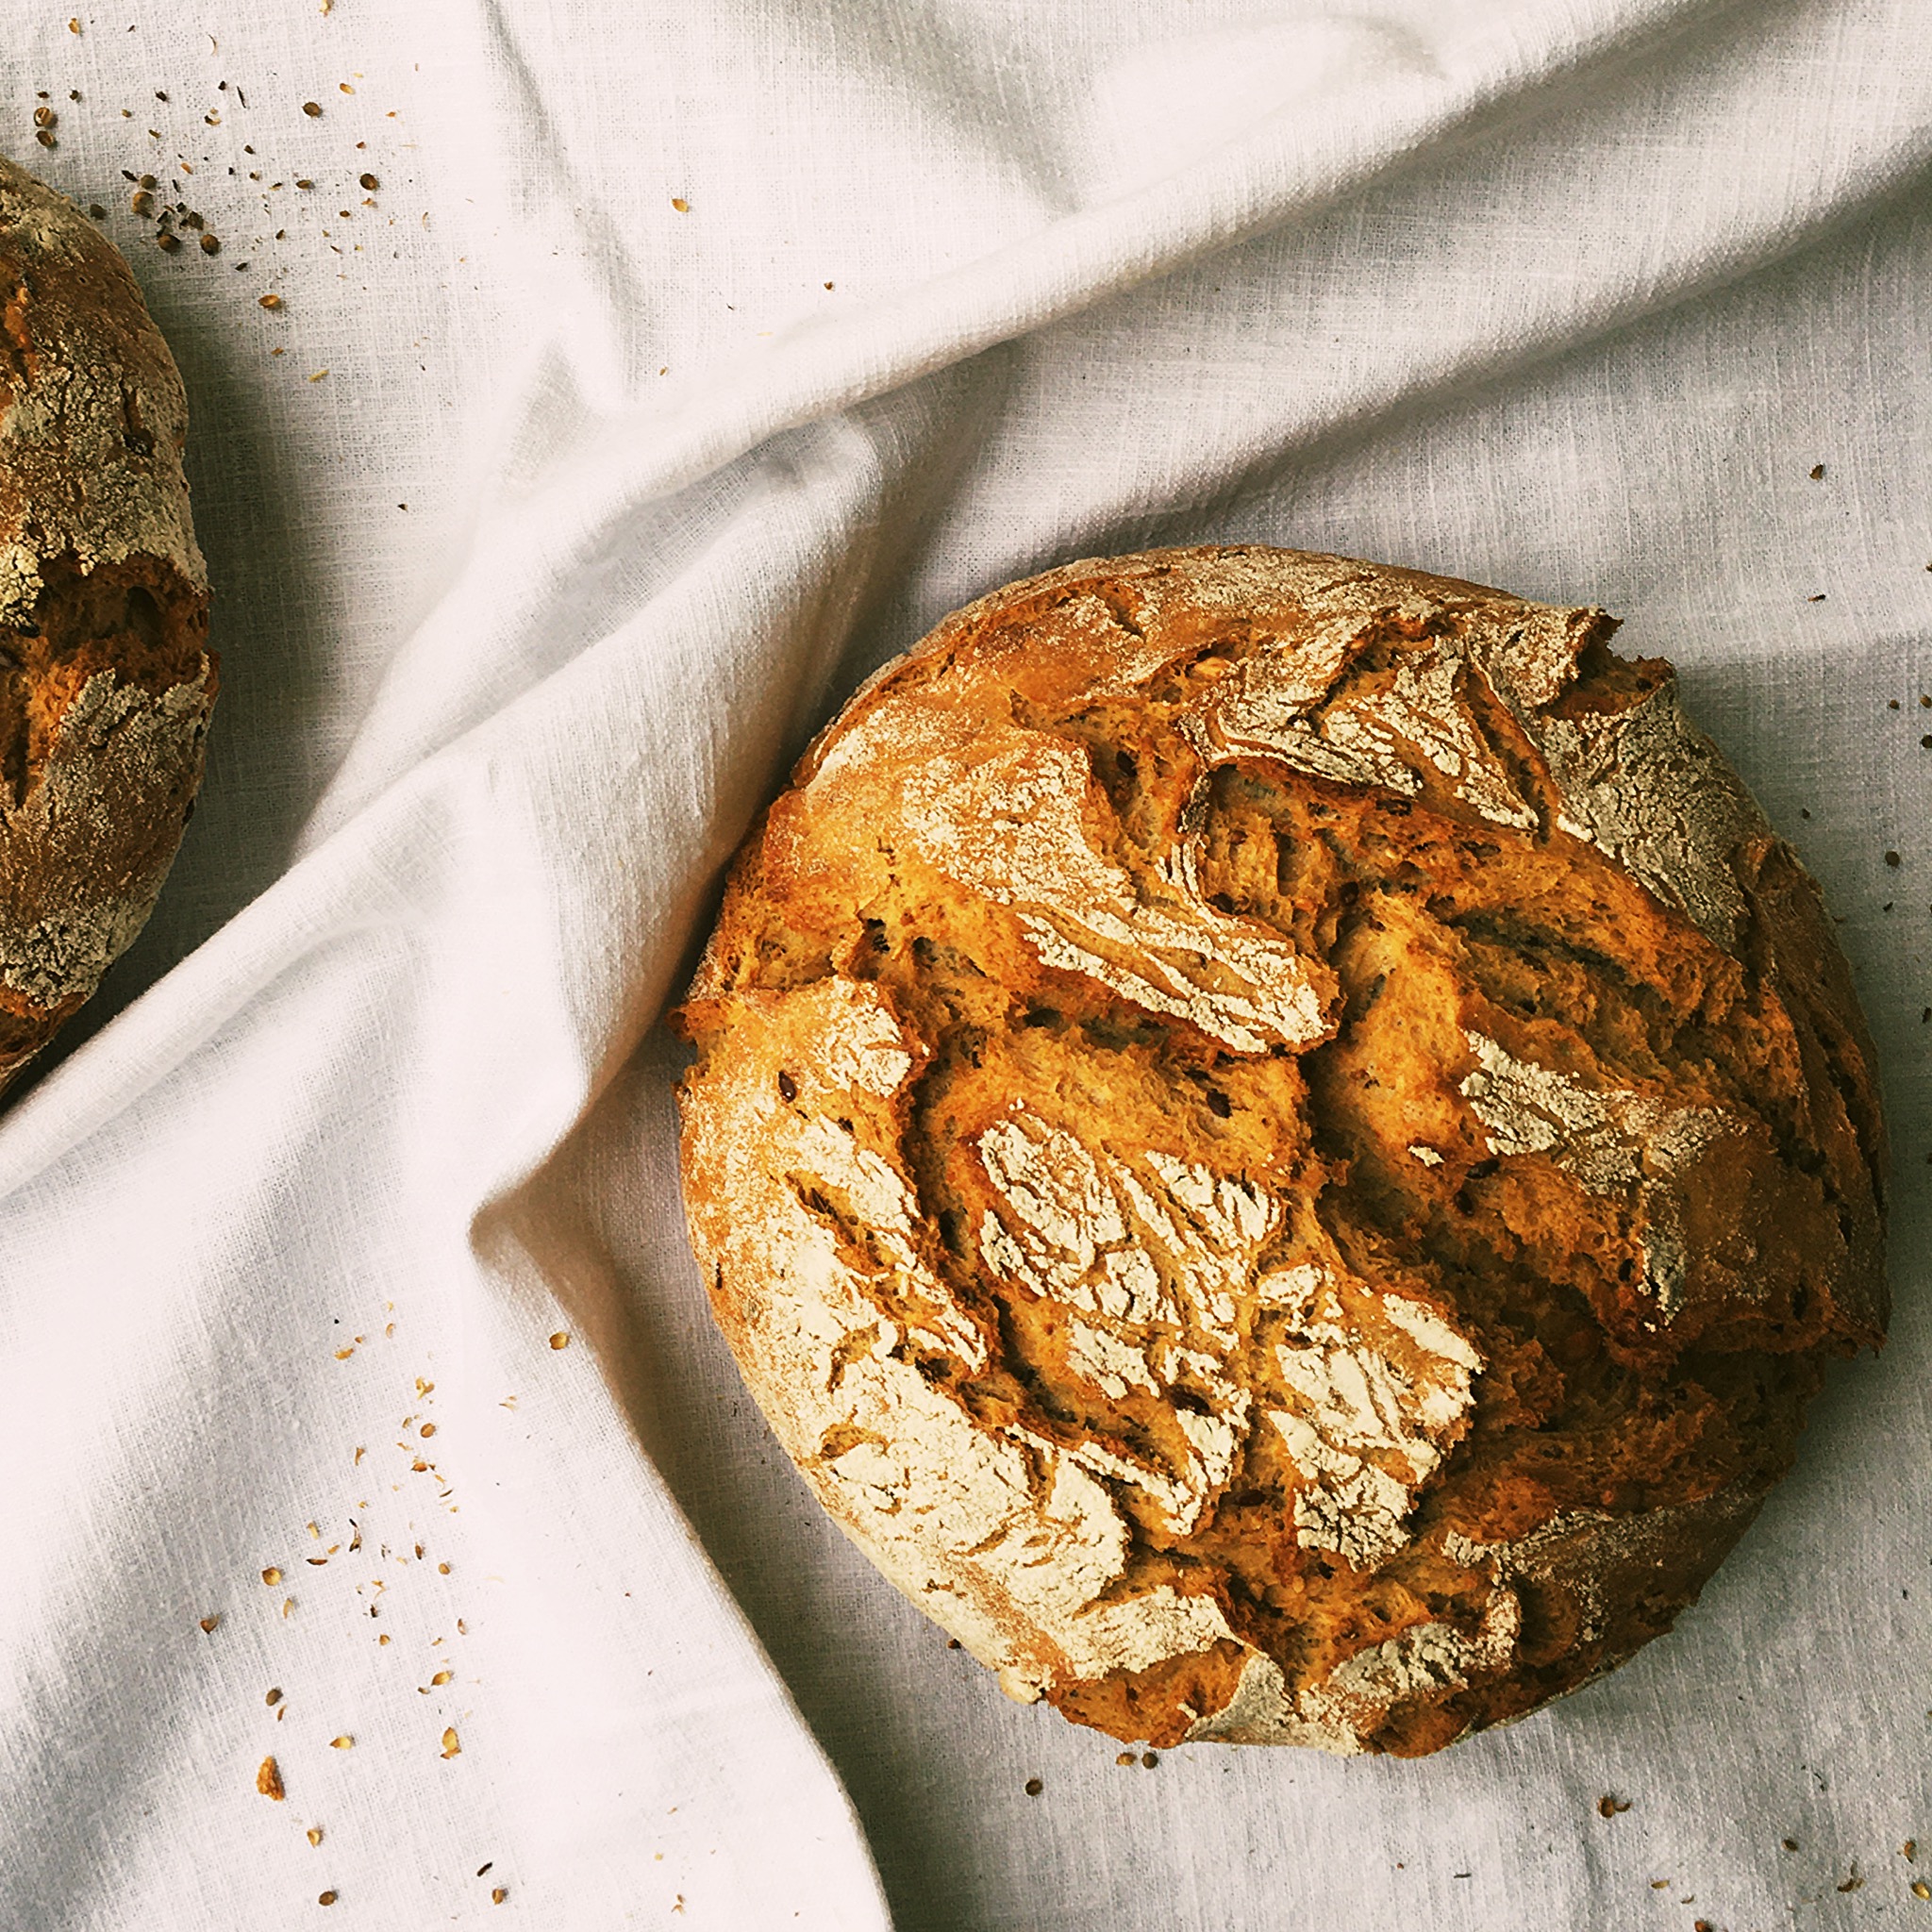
106,683
92,417
1239,1099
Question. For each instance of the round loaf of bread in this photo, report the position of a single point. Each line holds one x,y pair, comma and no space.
105,681
1281,1145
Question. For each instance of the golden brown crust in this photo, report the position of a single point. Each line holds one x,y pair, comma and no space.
105,681
1281,1145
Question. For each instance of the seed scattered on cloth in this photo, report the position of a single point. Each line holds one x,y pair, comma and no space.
451,1747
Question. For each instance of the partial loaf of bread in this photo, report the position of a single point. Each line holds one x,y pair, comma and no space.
1281,1145
105,681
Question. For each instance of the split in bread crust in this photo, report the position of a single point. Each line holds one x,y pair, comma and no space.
1281,1145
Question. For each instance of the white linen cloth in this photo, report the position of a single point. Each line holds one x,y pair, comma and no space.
716,352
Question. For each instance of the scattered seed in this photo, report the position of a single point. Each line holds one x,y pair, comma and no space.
1892,858
168,244
370,182
344,1743
560,1339
270,1576
1149,1759
498,1893
1791,1844
273,1698
312,109
1034,1787
275,302
44,117
267,1780
451,1747
440,1678
1608,1806
1127,1758
1818,473
1920,1889
326,1898
682,206
314,1834
208,1624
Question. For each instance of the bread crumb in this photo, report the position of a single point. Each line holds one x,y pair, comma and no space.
451,1746
560,1339
344,1743
267,1780
1608,1806
498,1893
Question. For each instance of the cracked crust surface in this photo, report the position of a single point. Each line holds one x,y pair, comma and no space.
105,681
1281,1145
